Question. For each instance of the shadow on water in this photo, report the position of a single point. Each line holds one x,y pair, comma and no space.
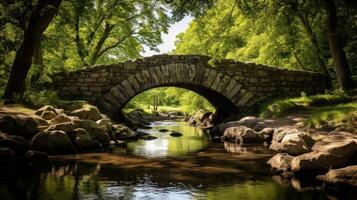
211,171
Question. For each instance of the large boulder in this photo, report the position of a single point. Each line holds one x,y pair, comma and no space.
87,112
22,125
81,139
317,161
281,162
293,142
342,176
94,130
52,142
17,144
240,134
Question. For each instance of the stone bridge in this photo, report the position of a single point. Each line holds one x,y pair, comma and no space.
231,87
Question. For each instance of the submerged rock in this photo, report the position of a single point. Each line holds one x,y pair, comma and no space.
342,176
148,137
175,134
164,130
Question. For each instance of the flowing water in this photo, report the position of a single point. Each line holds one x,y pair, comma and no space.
187,167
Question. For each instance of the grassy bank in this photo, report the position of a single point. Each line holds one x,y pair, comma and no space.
331,108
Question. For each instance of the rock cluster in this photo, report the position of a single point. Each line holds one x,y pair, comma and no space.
297,152
58,131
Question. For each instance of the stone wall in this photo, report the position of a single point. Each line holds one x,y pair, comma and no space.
237,84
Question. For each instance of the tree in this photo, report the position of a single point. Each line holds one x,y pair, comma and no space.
286,33
40,17
339,56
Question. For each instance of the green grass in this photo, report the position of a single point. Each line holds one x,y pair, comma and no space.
330,108
280,108
345,113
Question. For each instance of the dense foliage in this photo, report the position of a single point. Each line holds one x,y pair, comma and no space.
170,99
284,33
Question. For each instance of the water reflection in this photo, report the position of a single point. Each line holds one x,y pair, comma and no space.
192,140
218,171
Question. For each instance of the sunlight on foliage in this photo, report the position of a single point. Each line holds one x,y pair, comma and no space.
282,107
170,99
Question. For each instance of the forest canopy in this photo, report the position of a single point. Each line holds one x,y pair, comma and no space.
41,38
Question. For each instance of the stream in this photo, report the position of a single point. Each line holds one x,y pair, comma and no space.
186,167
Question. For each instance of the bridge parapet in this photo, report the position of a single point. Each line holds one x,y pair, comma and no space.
240,84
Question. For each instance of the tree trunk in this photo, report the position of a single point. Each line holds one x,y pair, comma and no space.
339,56
38,64
39,20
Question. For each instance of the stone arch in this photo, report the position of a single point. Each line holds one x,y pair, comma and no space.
224,92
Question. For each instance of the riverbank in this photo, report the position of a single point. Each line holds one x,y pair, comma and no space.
35,134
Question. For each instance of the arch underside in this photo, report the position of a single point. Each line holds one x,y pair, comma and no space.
222,91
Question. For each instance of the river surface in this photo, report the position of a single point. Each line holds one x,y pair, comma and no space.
187,167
